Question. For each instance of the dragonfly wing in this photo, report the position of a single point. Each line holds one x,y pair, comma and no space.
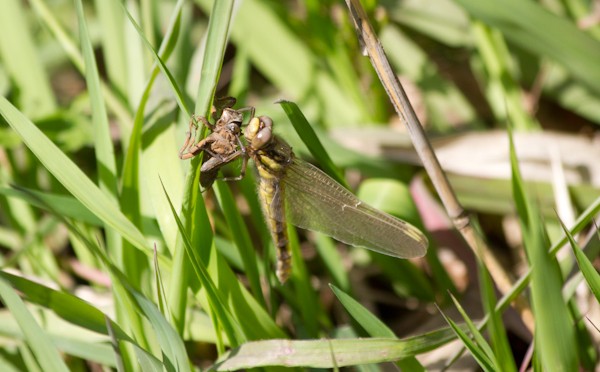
314,201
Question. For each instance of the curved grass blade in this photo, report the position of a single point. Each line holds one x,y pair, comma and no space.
310,139
373,325
46,354
590,274
71,177
231,327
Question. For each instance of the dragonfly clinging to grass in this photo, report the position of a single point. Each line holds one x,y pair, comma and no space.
293,190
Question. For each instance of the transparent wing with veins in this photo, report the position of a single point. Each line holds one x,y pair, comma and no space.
314,201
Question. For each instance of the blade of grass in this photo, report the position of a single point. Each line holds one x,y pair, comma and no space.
504,94
21,59
332,260
545,34
40,344
112,22
65,205
241,237
373,326
103,148
497,331
70,308
71,177
480,356
588,270
136,57
65,40
159,139
554,336
217,305
308,304
310,139
329,353
193,212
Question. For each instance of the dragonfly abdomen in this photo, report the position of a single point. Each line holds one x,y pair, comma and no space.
272,193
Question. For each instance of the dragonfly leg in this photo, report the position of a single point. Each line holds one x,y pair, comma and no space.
251,109
188,150
242,171
194,150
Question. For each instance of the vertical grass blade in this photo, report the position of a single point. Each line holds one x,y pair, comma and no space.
23,62
496,329
193,212
554,335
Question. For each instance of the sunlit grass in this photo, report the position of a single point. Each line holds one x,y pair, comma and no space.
114,256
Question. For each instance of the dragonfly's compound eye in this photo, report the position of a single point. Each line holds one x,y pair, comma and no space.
265,132
252,128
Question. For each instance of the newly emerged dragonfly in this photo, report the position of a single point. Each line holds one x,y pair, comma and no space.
294,189
222,145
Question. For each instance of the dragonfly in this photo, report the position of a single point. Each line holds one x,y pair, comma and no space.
222,145
292,189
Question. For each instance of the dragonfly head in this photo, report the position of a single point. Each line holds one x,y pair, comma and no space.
259,132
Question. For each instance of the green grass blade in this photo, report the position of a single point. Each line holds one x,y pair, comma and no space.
217,305
137,59
21,59
70,308
179,95
503,91
480,356
307,301
309,137
112,21
483,348
588,270
333,261
496,329
373,326
64,205
554,337
543,33
172,346
193,211
103,147
105,157
366,319
241,237
46,354
71,177
329,353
